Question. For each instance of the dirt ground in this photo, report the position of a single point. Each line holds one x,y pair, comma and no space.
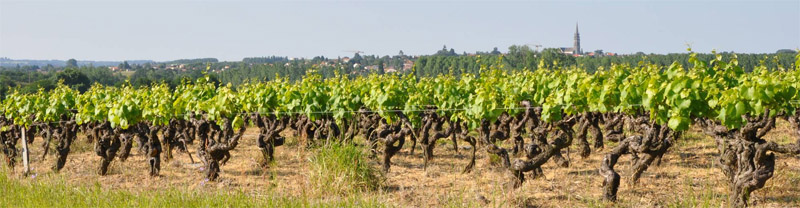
686,177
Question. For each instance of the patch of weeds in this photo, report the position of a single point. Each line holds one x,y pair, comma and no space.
343,169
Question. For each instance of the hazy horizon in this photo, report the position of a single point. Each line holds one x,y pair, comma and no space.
177,29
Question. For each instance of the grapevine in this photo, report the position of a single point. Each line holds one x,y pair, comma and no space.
535,110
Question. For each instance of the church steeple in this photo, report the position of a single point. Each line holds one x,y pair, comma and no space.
576,48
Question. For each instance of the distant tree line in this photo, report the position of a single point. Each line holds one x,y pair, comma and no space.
193,61
261,60
523,58
445,61
29,80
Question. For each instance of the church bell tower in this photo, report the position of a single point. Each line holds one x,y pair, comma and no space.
576,48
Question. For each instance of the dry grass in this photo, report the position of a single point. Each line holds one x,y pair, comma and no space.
686,178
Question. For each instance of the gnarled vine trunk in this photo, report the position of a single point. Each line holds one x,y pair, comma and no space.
541,150
150,145
393,136
107,144
745,157
8,141
268,137
64,135
612,129
460,131
126,137
217,144
430,132
178,134
644,149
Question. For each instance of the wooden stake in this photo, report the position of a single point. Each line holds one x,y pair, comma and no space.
27,169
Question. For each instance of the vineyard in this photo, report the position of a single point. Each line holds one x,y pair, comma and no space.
524,119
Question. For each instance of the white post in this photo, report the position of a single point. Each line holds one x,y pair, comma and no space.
25,153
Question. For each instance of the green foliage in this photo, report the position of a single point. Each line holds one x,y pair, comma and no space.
346,97
387,94
672,96
156,104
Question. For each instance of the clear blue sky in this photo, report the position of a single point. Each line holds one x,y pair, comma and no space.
230,30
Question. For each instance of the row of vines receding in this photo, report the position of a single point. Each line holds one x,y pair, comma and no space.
644,109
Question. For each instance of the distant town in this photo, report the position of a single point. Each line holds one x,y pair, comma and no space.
183,64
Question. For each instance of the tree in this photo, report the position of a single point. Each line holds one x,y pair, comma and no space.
124,65
356,59
553,56
74,78
380,67
598,52
71,63
495,51
445,52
